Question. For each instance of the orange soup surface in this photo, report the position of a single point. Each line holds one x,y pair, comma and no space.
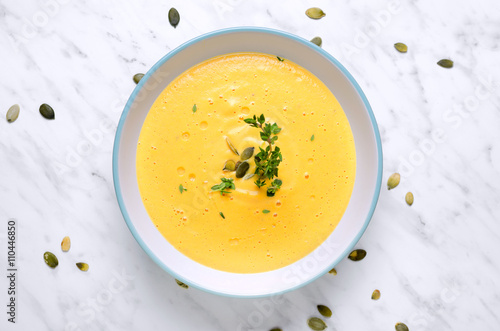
182,150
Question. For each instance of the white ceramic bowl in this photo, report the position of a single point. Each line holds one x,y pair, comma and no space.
368,156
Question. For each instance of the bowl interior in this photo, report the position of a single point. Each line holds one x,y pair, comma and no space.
368,154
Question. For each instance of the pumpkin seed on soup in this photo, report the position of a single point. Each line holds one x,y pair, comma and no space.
316,324
13,113
65,244
173,17
181,284
376,295
82,266
47,111
247,153
445,63
248,176
401,327
315,13
137,78
231,147
325,311
357,255
400,47
317,41
50,259
242,169
409,198
393,181
230,165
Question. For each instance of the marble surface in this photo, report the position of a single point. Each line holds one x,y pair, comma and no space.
435,262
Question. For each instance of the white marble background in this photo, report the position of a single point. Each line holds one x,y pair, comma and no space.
436,263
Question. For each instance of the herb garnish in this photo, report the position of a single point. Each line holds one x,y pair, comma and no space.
226,184
195,108
280,59
182,189
267,160
276,185
312,138
265,211
222,215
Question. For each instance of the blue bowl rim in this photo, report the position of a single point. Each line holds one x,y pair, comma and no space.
182,47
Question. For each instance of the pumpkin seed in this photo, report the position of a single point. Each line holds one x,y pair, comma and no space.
409,198
248,176
333,272
137,78
13,113
325,311
82,266
50,259
173,17
242,169
247,153
266,211
445,63
47,111
401,327
231,147
315,13
230,165
376,295
181,284
402,48
393,181
317,41
357,255
316,324
65,244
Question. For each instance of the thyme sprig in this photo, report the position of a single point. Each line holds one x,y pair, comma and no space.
275,185
268,159
225,185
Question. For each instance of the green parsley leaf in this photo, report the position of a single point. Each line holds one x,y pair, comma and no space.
280,59
265,211
195,108
312,138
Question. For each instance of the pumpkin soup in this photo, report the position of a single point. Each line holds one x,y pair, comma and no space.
195,140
